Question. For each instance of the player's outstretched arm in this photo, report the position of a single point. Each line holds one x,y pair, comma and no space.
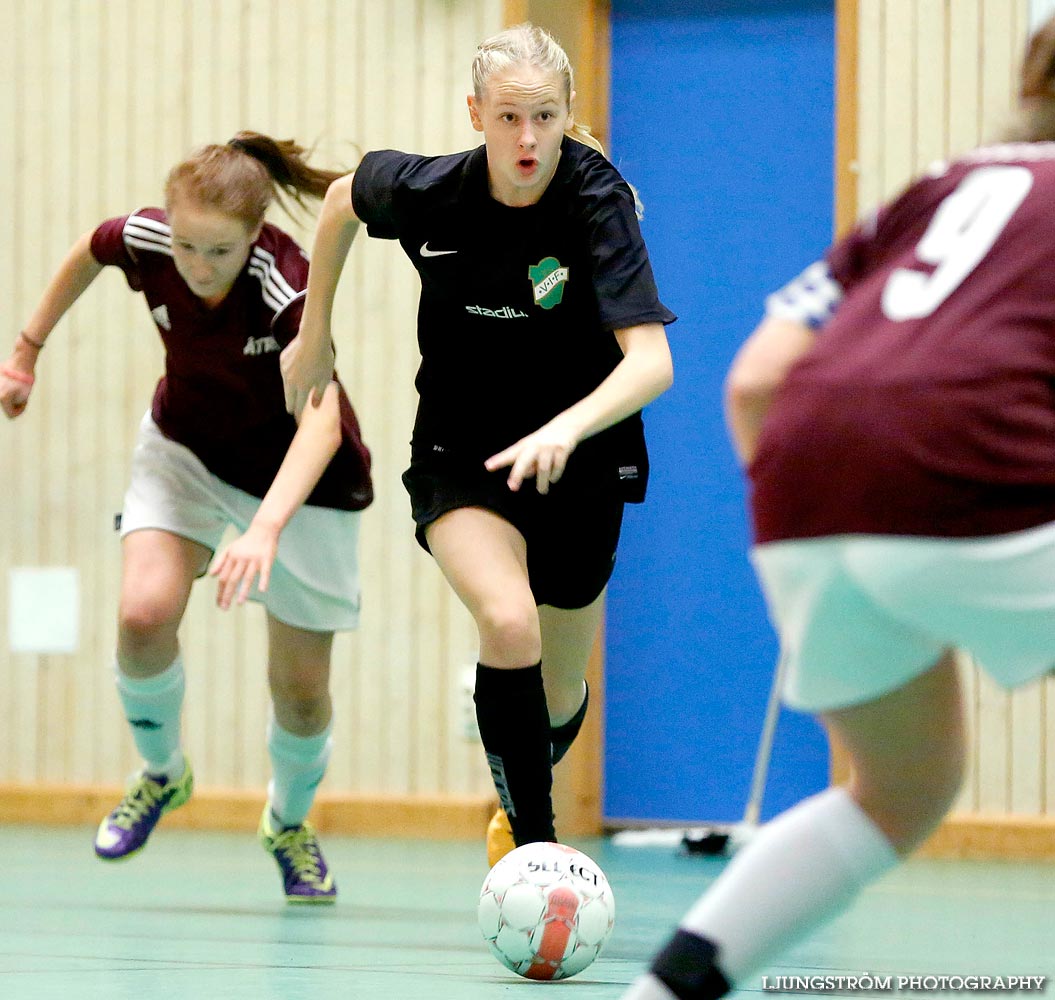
757,372
307,362
645,372
250,556
76,272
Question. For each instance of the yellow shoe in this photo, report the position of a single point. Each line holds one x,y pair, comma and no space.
499,838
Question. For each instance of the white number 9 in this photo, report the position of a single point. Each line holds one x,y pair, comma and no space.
964,228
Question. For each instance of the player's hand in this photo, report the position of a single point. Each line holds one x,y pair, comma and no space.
248,558
15,387
543,454
301,373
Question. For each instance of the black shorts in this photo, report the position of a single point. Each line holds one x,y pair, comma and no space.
571,532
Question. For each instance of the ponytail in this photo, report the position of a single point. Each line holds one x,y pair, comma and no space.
582,133
286,162
243,176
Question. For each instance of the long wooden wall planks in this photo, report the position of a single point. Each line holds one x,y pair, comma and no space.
934,78
98,99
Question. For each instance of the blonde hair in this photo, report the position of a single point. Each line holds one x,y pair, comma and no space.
242,177
527,43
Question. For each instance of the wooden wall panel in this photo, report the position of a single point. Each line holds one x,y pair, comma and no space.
936,77
98,99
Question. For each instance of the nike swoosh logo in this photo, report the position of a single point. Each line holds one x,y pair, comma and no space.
426,252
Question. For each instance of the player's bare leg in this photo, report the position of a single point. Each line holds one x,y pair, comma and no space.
567,641
484,558
906,753
158,570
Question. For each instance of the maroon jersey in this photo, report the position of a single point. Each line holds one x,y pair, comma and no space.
927,405
221,395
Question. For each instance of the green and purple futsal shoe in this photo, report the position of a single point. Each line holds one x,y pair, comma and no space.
148,798
296,850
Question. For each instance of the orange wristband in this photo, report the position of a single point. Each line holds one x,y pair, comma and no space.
16,375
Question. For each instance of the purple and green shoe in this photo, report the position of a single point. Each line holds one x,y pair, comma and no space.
148,798
305,875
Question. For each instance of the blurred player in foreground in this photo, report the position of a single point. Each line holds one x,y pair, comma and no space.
896,411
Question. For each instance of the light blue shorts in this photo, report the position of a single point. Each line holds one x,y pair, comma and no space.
315,579
861,615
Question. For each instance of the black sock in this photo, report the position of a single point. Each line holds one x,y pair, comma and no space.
687,967
514,729
562,737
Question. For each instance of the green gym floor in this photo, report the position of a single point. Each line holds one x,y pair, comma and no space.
200,915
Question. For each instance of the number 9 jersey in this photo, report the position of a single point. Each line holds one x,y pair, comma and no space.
927,404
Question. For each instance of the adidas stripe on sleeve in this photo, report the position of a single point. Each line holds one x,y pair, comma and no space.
277,292
143,233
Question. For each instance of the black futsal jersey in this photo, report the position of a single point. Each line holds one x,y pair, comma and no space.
517,305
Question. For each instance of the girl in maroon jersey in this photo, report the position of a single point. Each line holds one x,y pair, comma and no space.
225,290
903,492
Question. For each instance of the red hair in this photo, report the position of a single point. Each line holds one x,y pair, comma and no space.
242,177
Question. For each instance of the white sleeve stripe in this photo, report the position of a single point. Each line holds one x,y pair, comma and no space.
265,293
143,222
267,288
147,234
276,291
280,293
811,298
282,287
155,245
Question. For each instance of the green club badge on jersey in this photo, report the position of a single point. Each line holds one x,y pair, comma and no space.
547,282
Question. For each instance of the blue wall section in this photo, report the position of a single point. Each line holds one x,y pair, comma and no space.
722,117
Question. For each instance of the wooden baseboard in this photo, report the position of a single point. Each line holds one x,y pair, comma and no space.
1030,838
433,817
987,838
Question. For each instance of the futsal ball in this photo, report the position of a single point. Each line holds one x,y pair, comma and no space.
546,911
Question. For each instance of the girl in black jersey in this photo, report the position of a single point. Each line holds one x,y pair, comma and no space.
225,290
541,337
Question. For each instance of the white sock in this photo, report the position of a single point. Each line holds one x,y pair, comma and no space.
298,764
648,987
152,706
801,869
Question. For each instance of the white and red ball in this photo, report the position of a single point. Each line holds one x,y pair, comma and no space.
546,911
